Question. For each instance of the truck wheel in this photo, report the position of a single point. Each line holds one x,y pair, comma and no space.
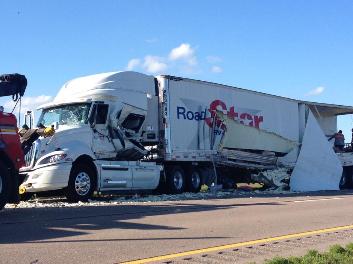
4,185
194,180
26,196
208,176
82,183
176,180
343,182
346,180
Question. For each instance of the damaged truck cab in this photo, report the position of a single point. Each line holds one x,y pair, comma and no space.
100,138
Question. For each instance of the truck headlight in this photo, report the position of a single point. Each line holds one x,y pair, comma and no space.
53,159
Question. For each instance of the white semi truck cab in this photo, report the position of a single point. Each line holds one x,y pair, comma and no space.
102,130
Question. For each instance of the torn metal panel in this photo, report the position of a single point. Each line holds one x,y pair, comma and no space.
318,167
276,178
239,136
247,159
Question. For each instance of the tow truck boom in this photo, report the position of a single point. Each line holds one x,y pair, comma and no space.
12,85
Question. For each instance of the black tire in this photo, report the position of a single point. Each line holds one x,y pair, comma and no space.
82,183
4,185
194,180
208,176
346,179
175,180
26,196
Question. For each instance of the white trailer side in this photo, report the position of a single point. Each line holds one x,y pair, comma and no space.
187,108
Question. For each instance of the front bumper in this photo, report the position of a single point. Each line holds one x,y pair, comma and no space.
48,178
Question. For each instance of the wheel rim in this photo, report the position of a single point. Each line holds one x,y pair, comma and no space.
178,180
195,179
82,183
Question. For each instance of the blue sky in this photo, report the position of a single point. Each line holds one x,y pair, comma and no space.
299,49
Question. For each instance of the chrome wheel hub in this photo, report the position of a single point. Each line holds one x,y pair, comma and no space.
178,180
82,183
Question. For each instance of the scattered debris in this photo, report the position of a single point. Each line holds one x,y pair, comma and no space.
204,188
273,179
272,182
58,202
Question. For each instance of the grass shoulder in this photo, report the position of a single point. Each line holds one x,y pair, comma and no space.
335,255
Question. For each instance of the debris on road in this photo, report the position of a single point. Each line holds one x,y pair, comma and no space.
273,179
116,200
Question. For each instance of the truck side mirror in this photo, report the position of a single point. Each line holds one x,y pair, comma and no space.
29,119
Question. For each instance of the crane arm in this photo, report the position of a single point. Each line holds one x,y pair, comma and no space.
12,85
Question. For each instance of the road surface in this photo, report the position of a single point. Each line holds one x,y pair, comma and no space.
120,233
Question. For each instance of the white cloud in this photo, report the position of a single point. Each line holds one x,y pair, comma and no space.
28,103
216,69
183,52
180,60
154,64
317,91
133,64
213,59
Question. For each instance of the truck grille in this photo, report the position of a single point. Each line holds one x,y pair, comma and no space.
30,157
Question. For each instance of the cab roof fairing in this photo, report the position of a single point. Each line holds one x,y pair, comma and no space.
129,87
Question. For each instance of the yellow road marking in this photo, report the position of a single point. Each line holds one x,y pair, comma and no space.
236,245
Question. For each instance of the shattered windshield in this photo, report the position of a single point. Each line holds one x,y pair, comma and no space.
70,115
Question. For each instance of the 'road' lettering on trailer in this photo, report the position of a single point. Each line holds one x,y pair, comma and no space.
218,105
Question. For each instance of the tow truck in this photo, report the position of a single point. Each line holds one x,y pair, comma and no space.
11,153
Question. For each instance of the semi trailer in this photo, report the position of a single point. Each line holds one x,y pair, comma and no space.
127,132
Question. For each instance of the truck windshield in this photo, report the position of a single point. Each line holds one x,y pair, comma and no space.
70,115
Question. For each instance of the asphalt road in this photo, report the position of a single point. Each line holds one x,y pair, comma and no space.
118,233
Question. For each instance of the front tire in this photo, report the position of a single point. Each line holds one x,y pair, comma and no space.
82,183
4,185
26,196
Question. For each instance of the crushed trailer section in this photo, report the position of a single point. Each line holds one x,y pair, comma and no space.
129,132
240,136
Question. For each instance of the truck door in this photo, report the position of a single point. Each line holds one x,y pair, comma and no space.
101,143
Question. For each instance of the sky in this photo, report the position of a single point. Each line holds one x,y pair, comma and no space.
298,49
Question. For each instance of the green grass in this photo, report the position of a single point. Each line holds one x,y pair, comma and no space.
336,255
